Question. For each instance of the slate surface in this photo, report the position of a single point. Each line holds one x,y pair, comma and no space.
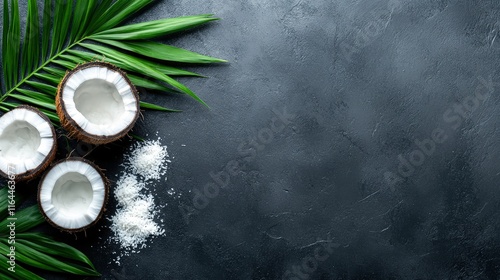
385,167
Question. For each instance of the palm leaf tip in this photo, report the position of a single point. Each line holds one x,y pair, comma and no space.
159,51
153,29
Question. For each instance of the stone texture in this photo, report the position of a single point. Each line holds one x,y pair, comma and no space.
364,80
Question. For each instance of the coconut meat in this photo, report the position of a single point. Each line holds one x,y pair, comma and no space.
100,101
26,140
72,194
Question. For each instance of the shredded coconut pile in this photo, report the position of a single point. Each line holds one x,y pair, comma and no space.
134,221
149,160
128,190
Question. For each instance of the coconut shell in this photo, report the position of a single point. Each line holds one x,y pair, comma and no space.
34,173
103,207
74,130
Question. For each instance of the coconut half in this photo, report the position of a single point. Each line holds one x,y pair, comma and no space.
97,103
73,194
27,143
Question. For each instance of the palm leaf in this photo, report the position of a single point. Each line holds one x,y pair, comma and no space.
145,83
11,43
161,51
134,64
20,273
35,249
165,69
4,202
153,29
51,247
74,32
38,258
31,49
26,220
5,39
47,15
146,105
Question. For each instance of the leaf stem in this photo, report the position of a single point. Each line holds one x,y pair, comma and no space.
25,79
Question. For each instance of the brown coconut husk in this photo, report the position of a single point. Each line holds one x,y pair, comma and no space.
74,130
34,173
103,207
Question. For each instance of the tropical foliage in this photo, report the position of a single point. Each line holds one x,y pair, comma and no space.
34,249
57,37
73,32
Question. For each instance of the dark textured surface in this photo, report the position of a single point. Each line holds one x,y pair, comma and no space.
364,80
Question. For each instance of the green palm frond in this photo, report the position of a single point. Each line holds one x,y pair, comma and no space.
35,249
57,37
74,32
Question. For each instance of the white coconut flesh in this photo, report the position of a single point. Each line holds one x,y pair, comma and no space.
26,139
100,101
72,194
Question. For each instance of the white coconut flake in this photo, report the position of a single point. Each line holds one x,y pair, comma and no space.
149,160
128,190
135,221
134,224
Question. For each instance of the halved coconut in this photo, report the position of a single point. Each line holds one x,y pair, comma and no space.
73,194
97,103
27,143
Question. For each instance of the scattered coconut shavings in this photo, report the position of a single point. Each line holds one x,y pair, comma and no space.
128,190
149,160
134,222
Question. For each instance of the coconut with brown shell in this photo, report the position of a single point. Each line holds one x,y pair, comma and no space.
97,103
73,194
27,143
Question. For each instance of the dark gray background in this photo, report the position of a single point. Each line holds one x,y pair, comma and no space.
364,80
